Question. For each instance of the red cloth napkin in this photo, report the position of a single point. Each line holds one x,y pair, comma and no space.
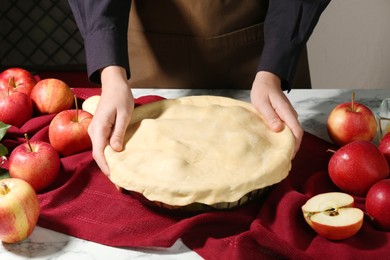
85,204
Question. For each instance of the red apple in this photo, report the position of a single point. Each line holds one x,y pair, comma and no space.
36,162
333,215
384,146
19,210
51,96
17,79
378,204
356,166
351,121
68,131
15,108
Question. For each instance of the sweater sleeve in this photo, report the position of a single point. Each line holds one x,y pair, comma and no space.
287,28
103,26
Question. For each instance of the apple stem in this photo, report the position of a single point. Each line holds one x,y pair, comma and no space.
3,159
77,108
4,188
331,150
11,84
353,102
28,142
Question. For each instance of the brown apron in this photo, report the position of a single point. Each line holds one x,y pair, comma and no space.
198,44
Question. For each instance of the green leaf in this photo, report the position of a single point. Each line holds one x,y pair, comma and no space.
4,174
3,150
3,129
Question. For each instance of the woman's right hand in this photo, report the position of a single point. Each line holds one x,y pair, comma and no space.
112,115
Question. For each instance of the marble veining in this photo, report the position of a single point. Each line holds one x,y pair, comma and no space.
48,244
313,107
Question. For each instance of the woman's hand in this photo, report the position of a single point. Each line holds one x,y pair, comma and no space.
112,115
268,98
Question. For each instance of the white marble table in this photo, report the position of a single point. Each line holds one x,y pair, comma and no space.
313,107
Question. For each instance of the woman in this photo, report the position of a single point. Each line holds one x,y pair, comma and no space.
190,43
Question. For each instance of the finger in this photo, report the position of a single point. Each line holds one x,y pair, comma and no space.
99,143
119,131
297,131
290,118
119,188
100,159
270,116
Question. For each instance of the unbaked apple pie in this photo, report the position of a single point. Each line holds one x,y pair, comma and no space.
200,152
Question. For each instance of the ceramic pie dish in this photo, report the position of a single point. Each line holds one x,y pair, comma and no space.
199,153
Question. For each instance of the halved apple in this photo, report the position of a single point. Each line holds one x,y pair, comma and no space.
333,215
90,104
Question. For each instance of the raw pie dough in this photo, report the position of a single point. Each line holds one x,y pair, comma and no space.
199,149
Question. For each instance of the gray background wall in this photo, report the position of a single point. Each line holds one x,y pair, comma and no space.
350,47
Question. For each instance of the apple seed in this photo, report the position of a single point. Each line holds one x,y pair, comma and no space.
332,212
